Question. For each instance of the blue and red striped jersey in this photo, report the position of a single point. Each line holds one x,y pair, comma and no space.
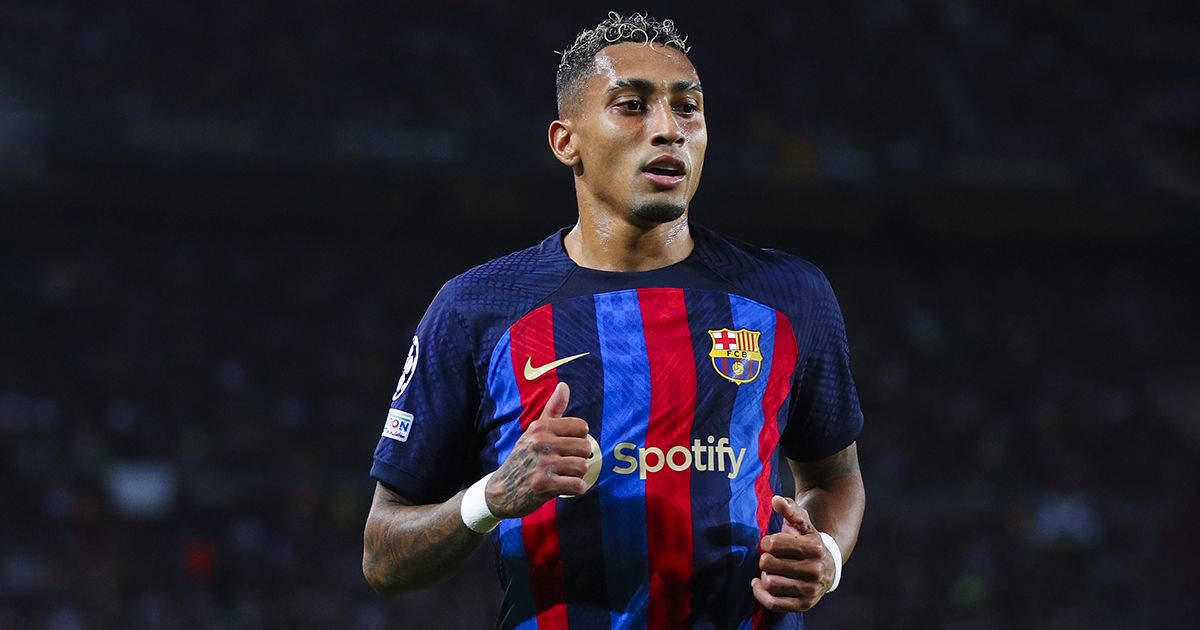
690,377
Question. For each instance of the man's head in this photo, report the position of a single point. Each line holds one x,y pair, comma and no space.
631,119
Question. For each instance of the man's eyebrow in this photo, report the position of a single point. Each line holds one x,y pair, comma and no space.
646,85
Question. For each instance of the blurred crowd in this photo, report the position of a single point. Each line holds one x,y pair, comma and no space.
186,427
825,83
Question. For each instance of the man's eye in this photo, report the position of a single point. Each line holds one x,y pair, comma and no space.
632,106
688,108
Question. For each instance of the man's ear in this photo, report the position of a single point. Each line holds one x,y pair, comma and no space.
562,143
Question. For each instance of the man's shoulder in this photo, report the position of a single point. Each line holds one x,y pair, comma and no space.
747,265
509,283
533,265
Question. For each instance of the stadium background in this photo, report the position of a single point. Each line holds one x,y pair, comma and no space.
222,220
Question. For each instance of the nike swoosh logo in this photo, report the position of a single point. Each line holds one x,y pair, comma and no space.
534,373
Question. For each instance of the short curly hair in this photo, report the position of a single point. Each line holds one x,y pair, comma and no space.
578,61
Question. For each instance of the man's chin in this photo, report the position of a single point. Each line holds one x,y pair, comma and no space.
658,211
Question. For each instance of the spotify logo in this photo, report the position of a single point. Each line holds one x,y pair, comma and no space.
710,455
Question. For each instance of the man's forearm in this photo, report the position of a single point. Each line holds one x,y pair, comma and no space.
836,508
831,490
407,547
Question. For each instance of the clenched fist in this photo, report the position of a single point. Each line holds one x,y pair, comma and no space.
549,459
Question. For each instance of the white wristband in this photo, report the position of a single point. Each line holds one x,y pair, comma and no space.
834,551
475,512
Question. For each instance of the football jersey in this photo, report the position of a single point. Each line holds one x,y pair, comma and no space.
690,377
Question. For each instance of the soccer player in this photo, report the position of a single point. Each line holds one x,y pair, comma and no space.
613,398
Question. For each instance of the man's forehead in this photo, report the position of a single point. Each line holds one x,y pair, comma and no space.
637,60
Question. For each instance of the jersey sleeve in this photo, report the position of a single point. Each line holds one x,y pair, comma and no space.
826,416
424,449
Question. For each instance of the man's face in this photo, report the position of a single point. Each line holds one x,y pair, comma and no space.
640,131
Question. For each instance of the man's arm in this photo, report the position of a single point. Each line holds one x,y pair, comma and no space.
796,567
831,491
407,547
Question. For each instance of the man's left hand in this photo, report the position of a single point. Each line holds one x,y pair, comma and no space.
796,568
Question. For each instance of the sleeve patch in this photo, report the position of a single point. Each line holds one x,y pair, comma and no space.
410,368
398,424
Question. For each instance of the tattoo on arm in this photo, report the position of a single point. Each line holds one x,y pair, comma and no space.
514,476
409,546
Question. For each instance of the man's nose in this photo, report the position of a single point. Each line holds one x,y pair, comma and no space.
665,128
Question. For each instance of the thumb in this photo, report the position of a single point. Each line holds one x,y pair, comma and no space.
557,405
793,515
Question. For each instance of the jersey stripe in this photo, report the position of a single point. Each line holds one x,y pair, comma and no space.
519,609
623,501
744,433
668,491
712,558
783,365
533,342
579,526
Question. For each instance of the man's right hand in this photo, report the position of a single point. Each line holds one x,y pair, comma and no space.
548,460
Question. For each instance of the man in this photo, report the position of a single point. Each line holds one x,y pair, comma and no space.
627,384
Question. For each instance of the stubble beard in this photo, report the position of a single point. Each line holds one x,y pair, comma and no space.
658,211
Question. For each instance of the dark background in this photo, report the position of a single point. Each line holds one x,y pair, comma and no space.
222,220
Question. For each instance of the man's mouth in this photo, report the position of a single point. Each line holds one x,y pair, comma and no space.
666,171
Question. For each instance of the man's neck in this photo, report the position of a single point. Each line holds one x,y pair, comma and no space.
606,243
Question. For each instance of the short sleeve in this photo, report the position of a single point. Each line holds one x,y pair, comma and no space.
826,416
425,445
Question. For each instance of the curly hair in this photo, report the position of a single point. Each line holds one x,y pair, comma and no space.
578,60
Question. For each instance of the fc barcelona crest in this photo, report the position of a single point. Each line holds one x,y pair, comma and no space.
735,354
